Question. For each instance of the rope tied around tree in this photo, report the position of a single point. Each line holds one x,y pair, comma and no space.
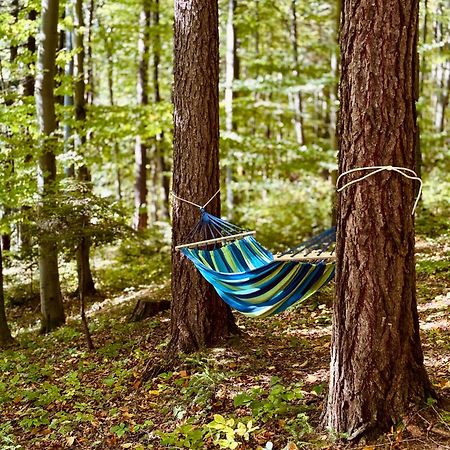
195,204
404,171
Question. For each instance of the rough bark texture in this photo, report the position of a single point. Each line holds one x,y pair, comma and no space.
199,317
376,358
51,300
5,333
140,187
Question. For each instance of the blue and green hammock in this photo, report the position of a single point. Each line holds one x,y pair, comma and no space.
248,277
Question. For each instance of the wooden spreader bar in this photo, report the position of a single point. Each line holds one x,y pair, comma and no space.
314,256
231,237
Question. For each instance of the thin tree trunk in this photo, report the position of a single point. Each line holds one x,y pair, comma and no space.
163,179
68,96
376,357
51,300
84,252
23,231
140,187
90,60
298,105
116,153
229,79
334,93
5,333
199,317
83,257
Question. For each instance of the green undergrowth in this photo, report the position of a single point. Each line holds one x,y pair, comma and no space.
265,391
139,261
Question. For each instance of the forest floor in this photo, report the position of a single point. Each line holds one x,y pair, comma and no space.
264,390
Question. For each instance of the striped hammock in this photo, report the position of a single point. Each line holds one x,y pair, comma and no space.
249,278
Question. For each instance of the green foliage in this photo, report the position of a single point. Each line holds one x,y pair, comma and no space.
202,386
120,430
147,258
275,221
227,433
279,401
7,439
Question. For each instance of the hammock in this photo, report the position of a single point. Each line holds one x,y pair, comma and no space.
248,277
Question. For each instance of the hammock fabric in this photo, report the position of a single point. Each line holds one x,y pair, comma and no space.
248,277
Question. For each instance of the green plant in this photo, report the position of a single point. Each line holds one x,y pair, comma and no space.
183,436
227,433
279,401
120,430
202,386
7,439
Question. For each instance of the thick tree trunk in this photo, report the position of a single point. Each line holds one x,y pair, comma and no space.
85,279
376,357
140,188
5,333
199,317
51,300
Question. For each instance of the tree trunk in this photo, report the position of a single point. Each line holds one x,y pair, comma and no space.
84,255
116,153
163,182
51,300
140,188
5,333
230,72
90,61
298,105
68,96
199,317
333,113
376,356
85,279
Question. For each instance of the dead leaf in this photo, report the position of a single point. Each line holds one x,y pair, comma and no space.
311,378
70,440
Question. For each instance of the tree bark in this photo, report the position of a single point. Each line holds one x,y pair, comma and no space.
199,317
376,357
5,333
140,188
85,279
51,300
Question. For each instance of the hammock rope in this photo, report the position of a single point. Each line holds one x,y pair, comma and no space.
404,171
